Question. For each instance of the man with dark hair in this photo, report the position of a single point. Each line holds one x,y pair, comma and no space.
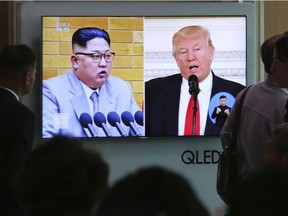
280,63
17,122
62,178
221,112
88,89
263,110
152,191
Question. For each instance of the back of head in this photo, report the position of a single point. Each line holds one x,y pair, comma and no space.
152,191
190,32
15,61
281,48
82,35
62,178
267,50
265,193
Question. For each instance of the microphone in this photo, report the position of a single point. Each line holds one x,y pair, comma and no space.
114,120
193,85
128,120
86,122
139,117
194,91
100,121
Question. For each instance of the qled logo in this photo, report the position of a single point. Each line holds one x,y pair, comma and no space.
200,157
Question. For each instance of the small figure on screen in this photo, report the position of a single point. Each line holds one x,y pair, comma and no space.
174,103
221,112
79,102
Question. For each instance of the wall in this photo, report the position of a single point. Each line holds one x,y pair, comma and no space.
275,19
4,36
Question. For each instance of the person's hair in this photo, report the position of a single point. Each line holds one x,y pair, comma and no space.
267,50
189,32
16,60
265,193
281,48
152,191
62,178
82,35
222,96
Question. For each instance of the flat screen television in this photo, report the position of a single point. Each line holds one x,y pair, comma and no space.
143,46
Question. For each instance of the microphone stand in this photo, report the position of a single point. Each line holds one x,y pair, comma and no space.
195,109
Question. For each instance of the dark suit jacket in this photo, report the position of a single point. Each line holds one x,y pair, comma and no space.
17,125
221,116
162,96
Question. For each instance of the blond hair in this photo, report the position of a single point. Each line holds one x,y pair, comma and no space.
191,32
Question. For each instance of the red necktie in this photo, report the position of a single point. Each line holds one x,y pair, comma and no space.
189,119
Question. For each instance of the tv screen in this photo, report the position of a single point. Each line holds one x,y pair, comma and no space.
133,101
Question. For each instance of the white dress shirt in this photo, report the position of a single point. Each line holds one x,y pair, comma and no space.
203,98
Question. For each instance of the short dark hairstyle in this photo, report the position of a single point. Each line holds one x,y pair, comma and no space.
152,191
267,50
16,60
222,96
281,47
82,35
62,178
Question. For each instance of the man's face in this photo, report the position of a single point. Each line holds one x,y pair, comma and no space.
93,74
223,102
193,56
280,71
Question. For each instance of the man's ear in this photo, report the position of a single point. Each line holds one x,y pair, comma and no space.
74,61
211,54
28,78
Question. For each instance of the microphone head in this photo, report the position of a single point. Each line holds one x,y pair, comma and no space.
85,119
193,85
139,117
99,119
113,118
127,118
192,78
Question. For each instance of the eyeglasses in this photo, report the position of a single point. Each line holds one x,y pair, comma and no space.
96,57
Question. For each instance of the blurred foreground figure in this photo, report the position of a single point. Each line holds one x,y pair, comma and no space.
62,178
264,193
152,191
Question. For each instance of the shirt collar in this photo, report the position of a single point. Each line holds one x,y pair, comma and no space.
17,97
88,91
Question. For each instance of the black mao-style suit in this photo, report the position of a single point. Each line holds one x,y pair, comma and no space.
17,126
162,97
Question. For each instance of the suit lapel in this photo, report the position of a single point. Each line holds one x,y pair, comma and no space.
78,99
107,100
171,104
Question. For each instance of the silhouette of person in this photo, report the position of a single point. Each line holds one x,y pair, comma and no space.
62,178
152,191
17,122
